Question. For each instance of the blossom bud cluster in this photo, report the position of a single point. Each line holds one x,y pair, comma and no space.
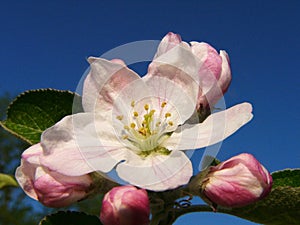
57,171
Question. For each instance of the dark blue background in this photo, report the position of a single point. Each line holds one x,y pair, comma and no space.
45,44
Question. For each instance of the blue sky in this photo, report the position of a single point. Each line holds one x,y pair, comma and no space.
45,44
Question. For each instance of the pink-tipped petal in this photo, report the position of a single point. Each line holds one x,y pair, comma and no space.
209,57
168,42
80,144
103,83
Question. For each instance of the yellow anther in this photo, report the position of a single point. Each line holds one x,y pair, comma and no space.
132,125
125,137
170,123
158,124
120,117
126,127
152,112
135,114
132,103
142,131
144,122
163,104
146,107
167,115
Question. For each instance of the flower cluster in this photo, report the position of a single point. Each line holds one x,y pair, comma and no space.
142,127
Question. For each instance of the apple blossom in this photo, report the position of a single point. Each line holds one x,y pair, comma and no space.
125,205
239,181
49,187
139,125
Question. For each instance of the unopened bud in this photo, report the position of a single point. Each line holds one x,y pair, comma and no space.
237,182
125,205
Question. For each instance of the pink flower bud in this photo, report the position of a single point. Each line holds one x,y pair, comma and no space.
237,182
125,205
49,187
214,73
214,68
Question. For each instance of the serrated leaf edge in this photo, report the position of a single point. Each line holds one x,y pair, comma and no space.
14,133
2,123
36,90
287,169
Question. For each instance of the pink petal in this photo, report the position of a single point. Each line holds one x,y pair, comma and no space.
210,69
209,57
103,83
168,42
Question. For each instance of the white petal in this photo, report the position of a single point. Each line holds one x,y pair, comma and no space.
80,144
173,74
214,129
157,172
103,83
179,101
137,92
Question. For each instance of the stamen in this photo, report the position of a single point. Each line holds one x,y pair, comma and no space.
167,115
132,103
143,131
163,104
146,130
120,117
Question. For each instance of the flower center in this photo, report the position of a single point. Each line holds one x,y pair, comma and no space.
146,128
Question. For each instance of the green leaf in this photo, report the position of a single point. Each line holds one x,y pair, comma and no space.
281,206
7,180
70,218
32,112
287,177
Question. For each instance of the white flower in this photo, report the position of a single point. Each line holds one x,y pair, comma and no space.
138,125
